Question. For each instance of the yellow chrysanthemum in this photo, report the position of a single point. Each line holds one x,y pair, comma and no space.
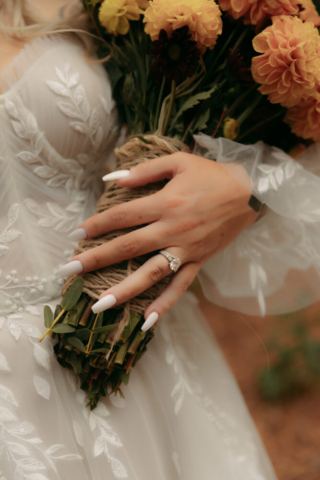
203,18
114,15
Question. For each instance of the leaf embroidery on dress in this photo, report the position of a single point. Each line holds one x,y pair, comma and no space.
9,234
107,441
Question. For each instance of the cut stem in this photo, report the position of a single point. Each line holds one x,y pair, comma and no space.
156,120
173,92
91,334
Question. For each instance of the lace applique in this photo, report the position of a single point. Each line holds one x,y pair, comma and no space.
56,217
9,234
274,176
181,340
108,441
18,444
77,108
49,165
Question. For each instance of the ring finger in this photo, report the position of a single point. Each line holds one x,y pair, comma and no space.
150,273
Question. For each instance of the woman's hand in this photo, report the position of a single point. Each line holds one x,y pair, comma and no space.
196,215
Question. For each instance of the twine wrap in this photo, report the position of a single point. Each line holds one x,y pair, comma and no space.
136,150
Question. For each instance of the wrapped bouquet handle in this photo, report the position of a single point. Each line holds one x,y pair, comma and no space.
103,347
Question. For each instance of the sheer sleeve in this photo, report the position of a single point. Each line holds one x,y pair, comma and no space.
273,266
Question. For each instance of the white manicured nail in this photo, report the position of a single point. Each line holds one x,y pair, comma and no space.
104,303
151,320
79,234
116,175
70,268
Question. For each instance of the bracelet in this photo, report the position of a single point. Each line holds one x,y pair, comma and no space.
257,206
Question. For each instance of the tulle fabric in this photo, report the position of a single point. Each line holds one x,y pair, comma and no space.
273,266
183,416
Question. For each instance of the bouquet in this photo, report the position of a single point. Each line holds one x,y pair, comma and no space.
245,70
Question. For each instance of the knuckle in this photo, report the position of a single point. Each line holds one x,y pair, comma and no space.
186,226
129,247
172,202
93,228
118,216
94,260
155,274
183,286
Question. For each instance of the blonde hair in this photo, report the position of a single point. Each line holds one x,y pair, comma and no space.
21,20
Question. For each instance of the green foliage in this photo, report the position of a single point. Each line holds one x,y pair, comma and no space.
296,360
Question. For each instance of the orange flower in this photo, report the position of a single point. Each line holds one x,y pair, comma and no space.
289,69
304,118
308,12
202,17
255,11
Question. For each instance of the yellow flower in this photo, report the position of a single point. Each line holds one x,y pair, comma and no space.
308,12
203,18
231,128
145,3
114,15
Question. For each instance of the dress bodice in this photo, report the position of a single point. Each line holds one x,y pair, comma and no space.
58,128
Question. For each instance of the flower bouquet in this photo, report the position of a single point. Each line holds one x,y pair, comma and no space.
243,70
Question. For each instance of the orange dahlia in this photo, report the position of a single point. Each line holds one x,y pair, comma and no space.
289,67
304,118
308,12
256,11
202,17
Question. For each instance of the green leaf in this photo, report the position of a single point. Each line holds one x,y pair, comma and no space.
48,316
73,295
105,329
201,124
63,328
76,343
192,102
83,333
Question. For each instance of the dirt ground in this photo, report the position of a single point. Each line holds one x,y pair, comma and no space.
290,429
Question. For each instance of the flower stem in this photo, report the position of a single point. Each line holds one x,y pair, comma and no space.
247,112
156,120
260,124
53,324
173,92
91,334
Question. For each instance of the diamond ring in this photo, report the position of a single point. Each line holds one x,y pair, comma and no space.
174,262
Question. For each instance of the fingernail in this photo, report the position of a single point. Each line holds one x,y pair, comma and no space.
116,175
70,268
151,320
106,302
79,234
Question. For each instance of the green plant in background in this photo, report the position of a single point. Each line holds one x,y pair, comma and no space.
295,364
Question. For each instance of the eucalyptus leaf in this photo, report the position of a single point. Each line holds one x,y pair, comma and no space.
76,343
48,316
73,295
83,333
63,328
105,329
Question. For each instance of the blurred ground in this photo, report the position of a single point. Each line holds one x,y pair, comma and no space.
290,429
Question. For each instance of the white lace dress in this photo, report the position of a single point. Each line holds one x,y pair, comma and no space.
183,417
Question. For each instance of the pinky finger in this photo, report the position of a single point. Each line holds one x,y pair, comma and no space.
178,285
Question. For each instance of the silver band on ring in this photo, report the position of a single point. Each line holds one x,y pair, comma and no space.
174,262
